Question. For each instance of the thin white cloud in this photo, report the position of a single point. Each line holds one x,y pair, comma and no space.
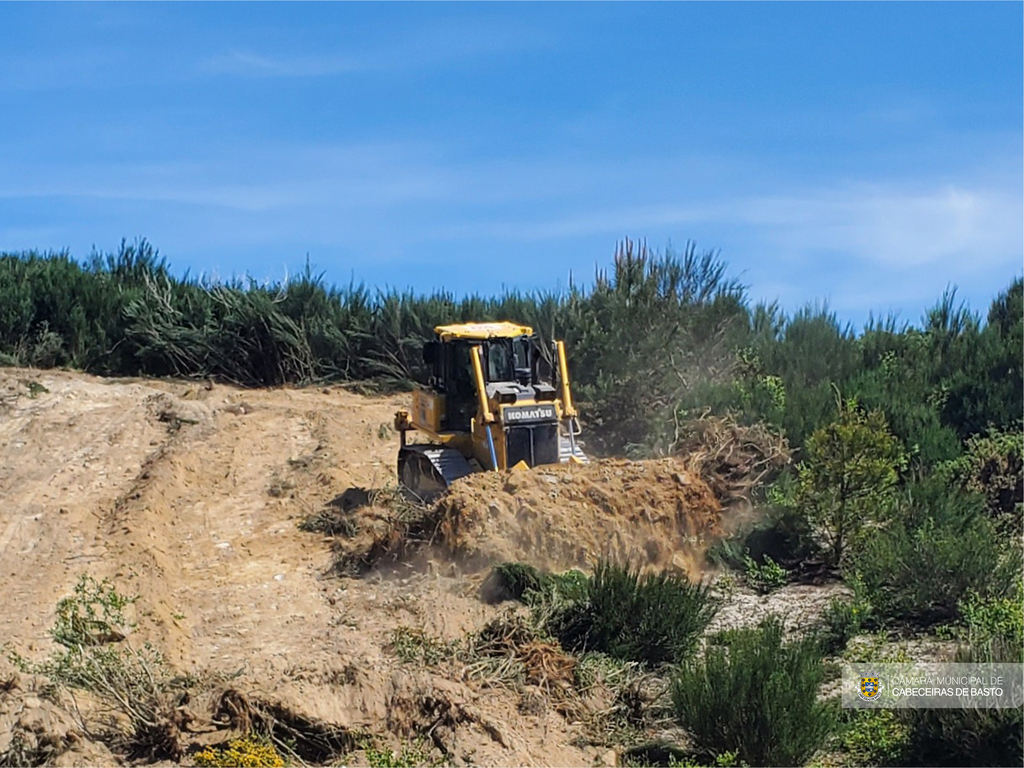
891,228
436,44
257,65
881,225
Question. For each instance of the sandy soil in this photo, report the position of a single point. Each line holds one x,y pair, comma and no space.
189,494
185,494
653,514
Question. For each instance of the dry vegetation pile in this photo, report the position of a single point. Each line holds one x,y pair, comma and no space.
655,513
733,459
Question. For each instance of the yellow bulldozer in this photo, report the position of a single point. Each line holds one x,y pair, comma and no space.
493,401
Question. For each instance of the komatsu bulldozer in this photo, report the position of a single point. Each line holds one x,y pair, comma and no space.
493,401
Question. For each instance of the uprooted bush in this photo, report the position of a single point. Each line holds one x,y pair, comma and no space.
755,695
993,465
512,649
391,525
95,655
302,739
648,618
733,459
938,549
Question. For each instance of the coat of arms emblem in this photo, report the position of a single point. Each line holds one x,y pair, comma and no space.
870,687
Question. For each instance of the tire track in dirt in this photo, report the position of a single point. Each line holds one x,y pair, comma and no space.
65,456
227,579
165,487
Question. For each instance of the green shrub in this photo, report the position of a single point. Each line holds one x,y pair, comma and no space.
845,617
841,621
526,584
512,581
757,696
766,577
566,586
848,475
414,646
938,548
995,621
649,618
878,648
952,737
661,753
410,755
873,737
721,760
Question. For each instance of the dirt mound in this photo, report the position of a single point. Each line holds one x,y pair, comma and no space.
654,513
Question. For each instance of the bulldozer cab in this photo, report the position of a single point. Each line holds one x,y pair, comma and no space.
512,365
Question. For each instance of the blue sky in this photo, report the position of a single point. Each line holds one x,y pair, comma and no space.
866,154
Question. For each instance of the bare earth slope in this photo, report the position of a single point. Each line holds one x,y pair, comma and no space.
189,494
185,495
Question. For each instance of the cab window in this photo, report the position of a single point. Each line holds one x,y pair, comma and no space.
499,365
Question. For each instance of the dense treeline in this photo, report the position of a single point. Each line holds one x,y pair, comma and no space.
656,337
